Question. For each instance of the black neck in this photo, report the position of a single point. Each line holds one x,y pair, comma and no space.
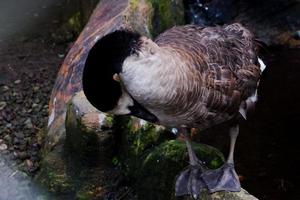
105,59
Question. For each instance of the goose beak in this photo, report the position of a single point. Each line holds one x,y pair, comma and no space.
139,111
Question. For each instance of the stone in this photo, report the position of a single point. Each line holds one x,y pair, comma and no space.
28,123
3,147
4,88
2,105
19,135
7,138
242,195
17,81
85,136
155,172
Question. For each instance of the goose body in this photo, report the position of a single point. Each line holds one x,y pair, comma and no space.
192,76
188,77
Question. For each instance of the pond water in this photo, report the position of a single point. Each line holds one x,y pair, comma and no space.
267,151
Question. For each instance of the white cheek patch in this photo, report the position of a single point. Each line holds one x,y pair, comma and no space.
252,99
262,65
122,107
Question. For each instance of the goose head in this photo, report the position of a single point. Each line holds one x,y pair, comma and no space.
101,80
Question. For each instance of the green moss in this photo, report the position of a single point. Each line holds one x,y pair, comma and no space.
109,120
134,4
75,22
166,14
53,175
84,195
156,171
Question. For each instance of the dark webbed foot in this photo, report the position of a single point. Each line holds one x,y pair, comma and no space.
190,182
223,178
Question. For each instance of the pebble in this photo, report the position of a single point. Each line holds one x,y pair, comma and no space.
2,105
34,105
36,88
3,147
7,138
17,81
29,163
28,123
5,88
19,135
22,155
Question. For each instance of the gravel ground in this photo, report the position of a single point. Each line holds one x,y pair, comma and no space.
28,70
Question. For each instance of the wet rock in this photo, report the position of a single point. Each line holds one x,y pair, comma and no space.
242,195
87,132
155,173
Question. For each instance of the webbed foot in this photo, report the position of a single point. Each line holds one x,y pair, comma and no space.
223,178
190,182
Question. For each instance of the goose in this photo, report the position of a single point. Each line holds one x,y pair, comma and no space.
188,77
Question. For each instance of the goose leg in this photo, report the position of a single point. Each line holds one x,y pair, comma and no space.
224,178
190,182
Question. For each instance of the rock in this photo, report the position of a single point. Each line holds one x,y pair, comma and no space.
7,138
19,135
242,195
4,88
28,123
22,155
17,81
85,136
3,147
2,105
34,105
155,173
29,163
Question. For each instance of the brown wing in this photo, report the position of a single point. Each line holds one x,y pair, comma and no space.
226,58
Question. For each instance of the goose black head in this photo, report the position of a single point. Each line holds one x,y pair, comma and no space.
100,80
104,61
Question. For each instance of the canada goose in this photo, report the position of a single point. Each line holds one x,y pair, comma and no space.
189,76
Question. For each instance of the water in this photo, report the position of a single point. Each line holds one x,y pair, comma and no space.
16,185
